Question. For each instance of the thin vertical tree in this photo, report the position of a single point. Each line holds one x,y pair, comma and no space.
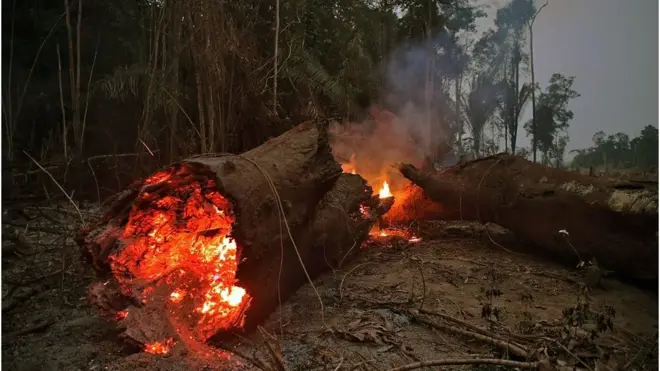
531,66
275,54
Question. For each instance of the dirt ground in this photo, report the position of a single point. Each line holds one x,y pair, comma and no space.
454,295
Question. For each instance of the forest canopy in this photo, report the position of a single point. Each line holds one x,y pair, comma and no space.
174,78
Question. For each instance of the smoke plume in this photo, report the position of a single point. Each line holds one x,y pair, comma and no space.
401,127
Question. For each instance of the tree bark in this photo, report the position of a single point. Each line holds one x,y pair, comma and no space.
614,222
324,211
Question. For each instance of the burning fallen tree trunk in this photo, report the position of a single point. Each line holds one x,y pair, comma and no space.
614,222
202,247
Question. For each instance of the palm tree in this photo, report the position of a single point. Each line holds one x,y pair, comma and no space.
480,105
512,104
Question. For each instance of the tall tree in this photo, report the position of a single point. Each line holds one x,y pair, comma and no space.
552,113
500,52
531,64
645,147
480,105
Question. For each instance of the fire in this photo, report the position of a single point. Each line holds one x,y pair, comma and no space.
385,191
398,190
121,315
350,167
178,248
177,295
159,347
377,233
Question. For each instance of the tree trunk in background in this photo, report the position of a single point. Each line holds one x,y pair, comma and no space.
276,48
531,58
459,120
531,65
615,222
516,112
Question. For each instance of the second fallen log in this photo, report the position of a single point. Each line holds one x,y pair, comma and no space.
614,222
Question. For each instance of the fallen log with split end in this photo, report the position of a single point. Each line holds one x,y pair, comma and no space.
612,221
206,246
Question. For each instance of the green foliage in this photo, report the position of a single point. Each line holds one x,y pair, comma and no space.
499,54
552,116
204,71
481,103
619,151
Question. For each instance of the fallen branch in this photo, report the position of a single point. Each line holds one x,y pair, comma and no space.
466,325
490,339
476,361
277,357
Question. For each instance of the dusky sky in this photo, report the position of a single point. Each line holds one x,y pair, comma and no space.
611,47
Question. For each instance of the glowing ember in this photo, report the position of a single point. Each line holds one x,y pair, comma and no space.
159,347
395,233
121,315
177,247
385,191
177,295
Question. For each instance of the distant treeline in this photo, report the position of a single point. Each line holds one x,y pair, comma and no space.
619,151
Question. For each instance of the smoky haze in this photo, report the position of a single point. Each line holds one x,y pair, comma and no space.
403,132
610,46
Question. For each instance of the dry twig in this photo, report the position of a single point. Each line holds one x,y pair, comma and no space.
476,361
464,324
58,186
279,363
341,284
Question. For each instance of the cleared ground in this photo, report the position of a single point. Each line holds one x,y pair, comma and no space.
398,303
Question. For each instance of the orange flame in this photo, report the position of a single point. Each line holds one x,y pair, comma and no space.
350,167
384,191
179,242
159,347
